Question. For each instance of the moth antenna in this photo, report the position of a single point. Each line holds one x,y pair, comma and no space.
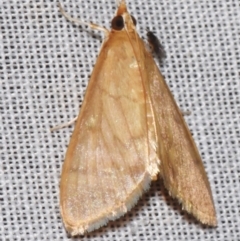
119,2
80,22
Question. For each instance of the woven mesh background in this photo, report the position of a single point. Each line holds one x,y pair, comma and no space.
45,64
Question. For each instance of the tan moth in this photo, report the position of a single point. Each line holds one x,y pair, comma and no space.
129,131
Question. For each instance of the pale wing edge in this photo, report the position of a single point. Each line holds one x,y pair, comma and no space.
110,215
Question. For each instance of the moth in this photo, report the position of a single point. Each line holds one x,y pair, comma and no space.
129,131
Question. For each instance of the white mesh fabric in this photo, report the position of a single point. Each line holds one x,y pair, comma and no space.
45,64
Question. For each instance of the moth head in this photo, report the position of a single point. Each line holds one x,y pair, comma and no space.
122,19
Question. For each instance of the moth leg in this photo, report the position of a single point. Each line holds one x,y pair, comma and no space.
63,125
155,45
186,113
80,22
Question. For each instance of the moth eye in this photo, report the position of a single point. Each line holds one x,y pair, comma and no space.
118,23
134,20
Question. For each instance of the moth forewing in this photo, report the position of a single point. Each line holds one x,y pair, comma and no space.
128,121
107,165
181,166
